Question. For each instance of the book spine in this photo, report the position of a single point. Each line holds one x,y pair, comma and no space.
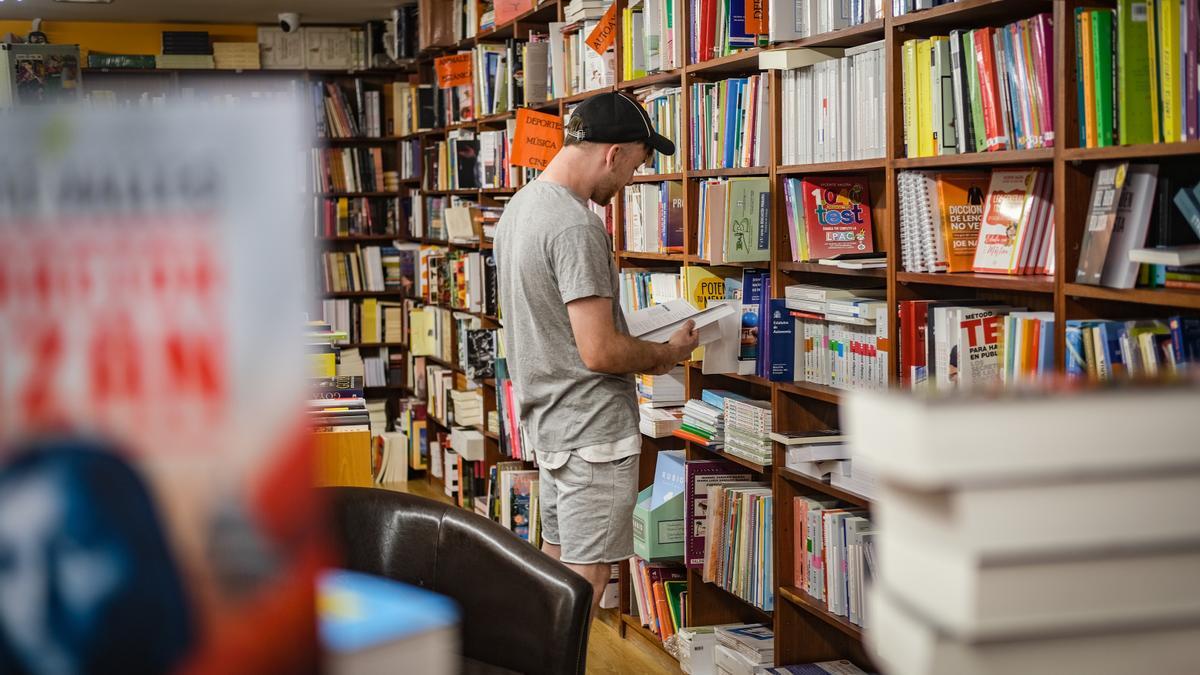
996,137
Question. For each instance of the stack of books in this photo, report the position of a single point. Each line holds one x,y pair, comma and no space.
662,391
730,121
814,454
341,414
1000,99
1003,552
659,422
841,334
468,408
704,420
743,649
748,429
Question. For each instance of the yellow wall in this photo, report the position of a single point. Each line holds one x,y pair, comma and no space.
126,38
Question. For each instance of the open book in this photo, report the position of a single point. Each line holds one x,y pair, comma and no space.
658,323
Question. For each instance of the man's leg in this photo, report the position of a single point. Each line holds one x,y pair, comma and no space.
552,550
595,517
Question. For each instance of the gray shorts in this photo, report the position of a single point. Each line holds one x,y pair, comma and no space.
587,509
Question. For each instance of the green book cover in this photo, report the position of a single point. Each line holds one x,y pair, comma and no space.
1133,74
674,589
973,85
1102,22
697,431
747,220
1152,61
1169,48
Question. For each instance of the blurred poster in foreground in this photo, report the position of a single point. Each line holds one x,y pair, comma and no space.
155,514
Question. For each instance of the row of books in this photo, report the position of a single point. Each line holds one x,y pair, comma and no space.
945,228
662,391
662,104
352,170
739,556
410,160
383,367
366,268
456,279
339,114
1133,206
654,217
1136,75
652,38
834,555
729,123
453,163
1114,350
902,7
659,591
973,343
734,217
721,27
834,104
835,350
370,320
986,89
356,216
499,75
643,288
828,216
413,108
798,19
495,167
574,66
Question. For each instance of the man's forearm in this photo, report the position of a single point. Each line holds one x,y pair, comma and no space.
626,354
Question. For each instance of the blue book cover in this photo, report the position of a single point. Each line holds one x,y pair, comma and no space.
762,363
754,287
738,37
732,94
1015,91
1109,335
782,343
1185,338
668,477
1046,348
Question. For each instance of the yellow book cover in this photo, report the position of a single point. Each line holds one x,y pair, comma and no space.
960,198
911,147
627,44
925,141
701,284
369,330
1156,134
323,364
1169,75
1089,81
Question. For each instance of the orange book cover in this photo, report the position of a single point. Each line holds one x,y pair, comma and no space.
663,610
961,196
1089,81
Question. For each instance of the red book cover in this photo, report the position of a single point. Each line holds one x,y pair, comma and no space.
708,22
837,216
663,610
913,315
989,91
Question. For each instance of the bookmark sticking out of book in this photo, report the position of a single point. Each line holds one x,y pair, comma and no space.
658,323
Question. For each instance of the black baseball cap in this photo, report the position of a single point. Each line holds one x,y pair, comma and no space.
613,117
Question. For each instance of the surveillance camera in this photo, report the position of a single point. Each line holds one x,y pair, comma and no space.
289,21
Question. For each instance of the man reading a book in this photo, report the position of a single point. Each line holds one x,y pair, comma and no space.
569,351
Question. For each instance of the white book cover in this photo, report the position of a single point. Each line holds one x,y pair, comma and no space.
1132,224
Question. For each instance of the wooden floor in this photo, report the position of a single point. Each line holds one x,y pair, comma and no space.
608,652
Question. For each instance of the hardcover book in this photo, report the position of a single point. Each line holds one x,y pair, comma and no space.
748,220
1102,215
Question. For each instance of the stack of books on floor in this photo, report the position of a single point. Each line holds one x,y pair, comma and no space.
1001,93
1003,555
659,591
943,214
748,429
744,649
828,216
834,558
704,421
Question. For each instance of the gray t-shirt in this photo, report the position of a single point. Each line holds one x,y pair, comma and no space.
550,250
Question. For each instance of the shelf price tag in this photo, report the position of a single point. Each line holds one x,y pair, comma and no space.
453,70
537,139
605,32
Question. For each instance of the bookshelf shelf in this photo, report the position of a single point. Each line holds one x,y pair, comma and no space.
751,379
1147,151
498,117
762,614
362,238
972,13
1002,282
815,607
978,159
761,264
577,97
848,37
810,390
388,387
817,268
646,634
361,140
677,258
745,61
371,345
364,294
667,77
875,164
741,461
487,434
498,191
358,194
1163,297
824,488
723,173
490,382
656,177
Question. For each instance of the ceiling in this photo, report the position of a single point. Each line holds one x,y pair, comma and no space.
201,11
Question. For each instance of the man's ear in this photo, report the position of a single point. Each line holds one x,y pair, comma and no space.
610,155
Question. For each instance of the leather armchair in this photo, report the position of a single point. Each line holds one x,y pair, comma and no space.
522,611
